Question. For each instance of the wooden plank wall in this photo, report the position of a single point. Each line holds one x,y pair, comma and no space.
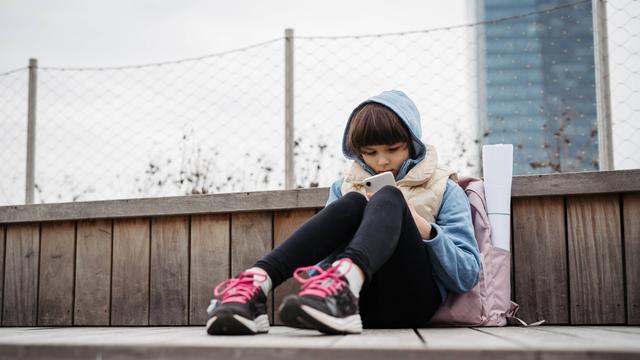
2,247
210,261
285,223
130,272
573,263
124,272
595,260
93,272
540,259
169,271
22,252
55,293
631,224
573,258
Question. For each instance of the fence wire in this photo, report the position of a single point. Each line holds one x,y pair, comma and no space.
212,124
434,68
523,74
13,135
624,64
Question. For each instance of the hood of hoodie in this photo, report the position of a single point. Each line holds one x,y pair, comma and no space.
406,110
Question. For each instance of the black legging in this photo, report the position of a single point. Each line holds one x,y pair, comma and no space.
380,237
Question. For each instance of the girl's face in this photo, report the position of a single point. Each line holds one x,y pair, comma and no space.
385,157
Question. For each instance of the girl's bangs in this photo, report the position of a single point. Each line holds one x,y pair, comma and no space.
375,124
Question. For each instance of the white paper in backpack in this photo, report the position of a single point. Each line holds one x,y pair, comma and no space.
497,164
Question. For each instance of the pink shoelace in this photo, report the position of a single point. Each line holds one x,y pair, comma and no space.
325,283
240,289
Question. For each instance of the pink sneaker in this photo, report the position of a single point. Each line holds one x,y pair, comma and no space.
324,303
239,307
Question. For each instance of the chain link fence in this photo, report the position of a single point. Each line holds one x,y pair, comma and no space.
434,68
624,65
522,74
13,135
209,124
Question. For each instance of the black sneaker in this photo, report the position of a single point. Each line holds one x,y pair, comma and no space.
239,307
324,303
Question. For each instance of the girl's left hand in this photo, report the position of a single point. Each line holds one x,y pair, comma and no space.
424,227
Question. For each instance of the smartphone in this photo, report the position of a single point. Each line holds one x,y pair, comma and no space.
376,182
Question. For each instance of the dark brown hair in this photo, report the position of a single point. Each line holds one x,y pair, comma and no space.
376,124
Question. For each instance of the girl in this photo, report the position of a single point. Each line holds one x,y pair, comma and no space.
388,259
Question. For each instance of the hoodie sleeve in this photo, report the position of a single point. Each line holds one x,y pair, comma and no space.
334,192
454,250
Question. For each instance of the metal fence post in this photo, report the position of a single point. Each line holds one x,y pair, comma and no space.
289,175
31,131
481,79
603,91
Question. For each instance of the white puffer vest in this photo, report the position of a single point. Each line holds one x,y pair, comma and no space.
423,186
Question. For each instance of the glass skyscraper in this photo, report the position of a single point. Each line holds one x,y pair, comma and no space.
537,83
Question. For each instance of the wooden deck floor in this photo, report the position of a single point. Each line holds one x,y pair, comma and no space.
545,342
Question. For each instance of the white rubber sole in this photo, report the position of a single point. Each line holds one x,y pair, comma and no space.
238,325
349,325
259,325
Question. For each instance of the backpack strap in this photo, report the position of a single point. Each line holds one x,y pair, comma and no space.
513,320
516,321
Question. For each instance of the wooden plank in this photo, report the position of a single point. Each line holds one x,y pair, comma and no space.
251,239
177,205
130,275
210,264
169,303
279,337
523,186
57,252
20,304
93,273
629,339
594,182
595,260
192,336
381,339
183,336
2,247
283,343
631,215
618,328
70,352
284,224
593,334
540,259
567,338
88,335
463,339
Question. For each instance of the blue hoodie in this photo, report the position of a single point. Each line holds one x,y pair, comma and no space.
453,251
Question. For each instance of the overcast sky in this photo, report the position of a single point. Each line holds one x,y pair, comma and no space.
79,33
75,33
85,33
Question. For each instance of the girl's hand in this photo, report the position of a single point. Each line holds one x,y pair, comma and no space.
424,227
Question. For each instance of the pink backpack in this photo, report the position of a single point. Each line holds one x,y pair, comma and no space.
489,302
